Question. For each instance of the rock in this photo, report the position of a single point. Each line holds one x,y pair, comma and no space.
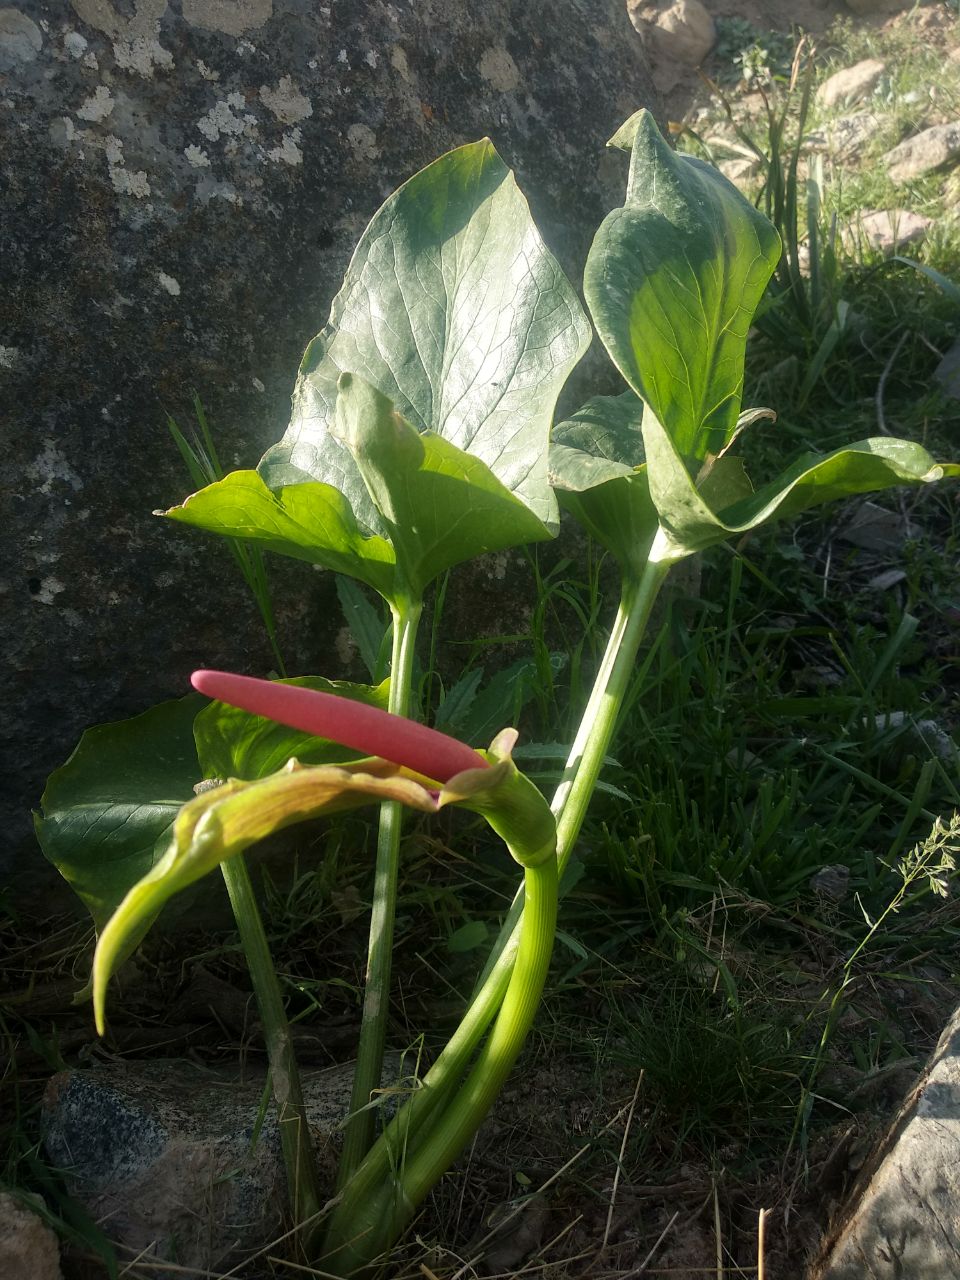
885,230
947,372
20,39
901,1219
510,1233
876,528
163,1154
924,733
183,186
846,136
28,1247
852,84
831,882
929,150
685,31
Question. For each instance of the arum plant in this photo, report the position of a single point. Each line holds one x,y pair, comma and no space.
419,439
411,765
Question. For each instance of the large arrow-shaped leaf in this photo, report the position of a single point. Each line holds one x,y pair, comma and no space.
689,522
311,522
438,504
598,470
454,309
672,281
105,814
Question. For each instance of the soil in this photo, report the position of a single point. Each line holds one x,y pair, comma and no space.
585,1168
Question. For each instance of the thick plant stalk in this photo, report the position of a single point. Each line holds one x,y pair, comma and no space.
295,1141
403,1167
418,1134
360,1126
585,760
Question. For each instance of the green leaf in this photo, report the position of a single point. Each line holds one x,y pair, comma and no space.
452,713
689,524
723,481
468,937
222,822
371,631
311,522
502,698
672,280
606,430
597,468
438,504
454,309
234,744
107,811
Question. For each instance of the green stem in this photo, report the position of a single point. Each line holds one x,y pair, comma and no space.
360,1126
298,1154
590,746
424,1114
381,1201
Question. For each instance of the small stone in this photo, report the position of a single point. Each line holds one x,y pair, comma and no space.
28,1247
929,150
925,733
887,579
684,31
852,84
831,882
876,528
846,136
510,1233
885,230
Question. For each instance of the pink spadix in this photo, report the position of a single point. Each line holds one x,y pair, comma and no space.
352,724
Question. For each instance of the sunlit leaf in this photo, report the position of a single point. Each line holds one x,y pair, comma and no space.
672,280
222,822
311,522
438,504
689,523
455,310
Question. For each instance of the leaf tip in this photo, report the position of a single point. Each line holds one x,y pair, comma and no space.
625,136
